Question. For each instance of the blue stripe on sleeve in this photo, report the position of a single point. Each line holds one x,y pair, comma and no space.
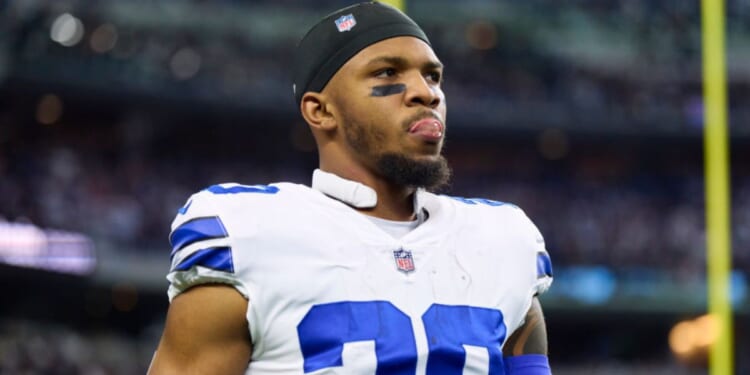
198,229
217,258
543,265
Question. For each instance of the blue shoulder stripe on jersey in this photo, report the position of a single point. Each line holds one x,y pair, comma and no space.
183,209
217,258
198,229
543,265
474,201
263,189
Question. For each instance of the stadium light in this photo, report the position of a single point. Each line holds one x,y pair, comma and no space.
66,30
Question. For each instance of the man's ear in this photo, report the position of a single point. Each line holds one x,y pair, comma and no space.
317,111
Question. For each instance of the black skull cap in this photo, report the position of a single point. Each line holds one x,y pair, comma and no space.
341,35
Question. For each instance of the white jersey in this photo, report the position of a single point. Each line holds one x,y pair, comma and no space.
330,292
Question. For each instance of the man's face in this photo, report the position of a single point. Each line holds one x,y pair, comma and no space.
392,111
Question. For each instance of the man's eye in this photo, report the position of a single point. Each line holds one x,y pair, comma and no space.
384,73
435,76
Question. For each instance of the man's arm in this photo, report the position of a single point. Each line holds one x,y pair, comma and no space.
531,337
205,333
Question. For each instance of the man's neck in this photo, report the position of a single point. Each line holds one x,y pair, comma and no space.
394,202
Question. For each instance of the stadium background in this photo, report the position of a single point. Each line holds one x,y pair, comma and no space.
587,114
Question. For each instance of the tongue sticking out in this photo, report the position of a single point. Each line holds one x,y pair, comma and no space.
431,129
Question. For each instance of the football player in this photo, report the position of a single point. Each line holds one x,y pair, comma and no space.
365,272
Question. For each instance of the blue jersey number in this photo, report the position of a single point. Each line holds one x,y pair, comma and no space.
326,328
448,328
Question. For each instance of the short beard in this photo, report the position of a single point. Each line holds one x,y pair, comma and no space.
398,169
408,172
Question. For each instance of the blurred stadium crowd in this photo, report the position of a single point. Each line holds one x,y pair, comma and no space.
605,206
31,348
586,114
517,80
600,66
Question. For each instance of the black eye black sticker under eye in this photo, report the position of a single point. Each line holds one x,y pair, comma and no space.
386,90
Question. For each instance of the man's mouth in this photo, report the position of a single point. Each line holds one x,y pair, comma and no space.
429,129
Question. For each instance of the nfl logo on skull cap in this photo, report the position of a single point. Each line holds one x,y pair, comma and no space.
345,22
404,260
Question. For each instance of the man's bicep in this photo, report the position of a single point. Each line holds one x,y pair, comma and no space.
531,337
205,332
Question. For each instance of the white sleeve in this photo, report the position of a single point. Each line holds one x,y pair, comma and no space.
201,246
543,262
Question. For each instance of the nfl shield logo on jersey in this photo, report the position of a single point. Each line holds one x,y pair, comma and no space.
346,22
404,260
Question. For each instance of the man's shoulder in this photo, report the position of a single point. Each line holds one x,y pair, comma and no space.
227,198
476,206
234,193
482,212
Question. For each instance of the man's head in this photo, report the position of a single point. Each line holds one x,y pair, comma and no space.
368,84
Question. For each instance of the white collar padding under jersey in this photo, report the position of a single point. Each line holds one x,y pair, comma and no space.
356,194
